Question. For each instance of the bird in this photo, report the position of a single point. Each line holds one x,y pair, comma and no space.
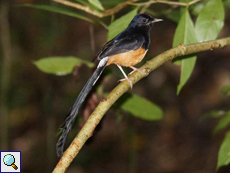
126,49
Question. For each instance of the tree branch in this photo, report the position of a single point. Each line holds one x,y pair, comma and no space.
124,86
119,6
165,2
95,12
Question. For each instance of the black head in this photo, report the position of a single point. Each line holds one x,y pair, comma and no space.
144,21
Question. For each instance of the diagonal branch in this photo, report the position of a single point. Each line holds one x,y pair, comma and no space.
95,12
124,86
165,2
119,6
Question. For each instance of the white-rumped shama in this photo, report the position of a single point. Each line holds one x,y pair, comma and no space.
126,49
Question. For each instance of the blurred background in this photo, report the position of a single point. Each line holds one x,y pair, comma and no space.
36,103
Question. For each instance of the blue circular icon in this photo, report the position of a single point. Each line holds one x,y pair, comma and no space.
9,161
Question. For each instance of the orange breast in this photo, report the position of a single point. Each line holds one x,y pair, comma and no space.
127,59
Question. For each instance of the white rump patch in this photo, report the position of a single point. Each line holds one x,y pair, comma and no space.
103,62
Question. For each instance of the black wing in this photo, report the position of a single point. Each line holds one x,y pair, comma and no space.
123,42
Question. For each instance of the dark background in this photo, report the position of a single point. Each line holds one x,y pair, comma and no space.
37,103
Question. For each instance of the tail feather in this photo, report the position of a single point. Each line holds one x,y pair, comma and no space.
69,121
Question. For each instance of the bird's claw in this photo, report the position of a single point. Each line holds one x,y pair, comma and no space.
137,69
129,80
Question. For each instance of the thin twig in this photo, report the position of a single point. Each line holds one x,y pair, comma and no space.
145,8
120,6
165,2
95,12
80,7
177,3
124,86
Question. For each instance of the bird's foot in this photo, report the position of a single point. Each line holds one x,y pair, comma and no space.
129,80
137,69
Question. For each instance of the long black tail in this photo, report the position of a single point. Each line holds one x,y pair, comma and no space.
69,121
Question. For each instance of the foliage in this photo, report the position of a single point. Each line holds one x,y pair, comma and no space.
60,10
225,90
60,66
140,107
209,20
224,152
185,34
120,24
223,123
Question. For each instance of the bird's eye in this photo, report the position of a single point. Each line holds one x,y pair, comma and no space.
144,20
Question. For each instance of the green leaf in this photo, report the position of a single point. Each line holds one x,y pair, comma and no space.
120,24
186,1
97,4
59,10
140,107
86,3
185,34
223,123
224,152
111,3
225,90
197,7
59,65
213,114
187,66
210,21
184,8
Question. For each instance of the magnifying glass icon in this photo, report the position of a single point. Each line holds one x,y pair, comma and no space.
9,160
